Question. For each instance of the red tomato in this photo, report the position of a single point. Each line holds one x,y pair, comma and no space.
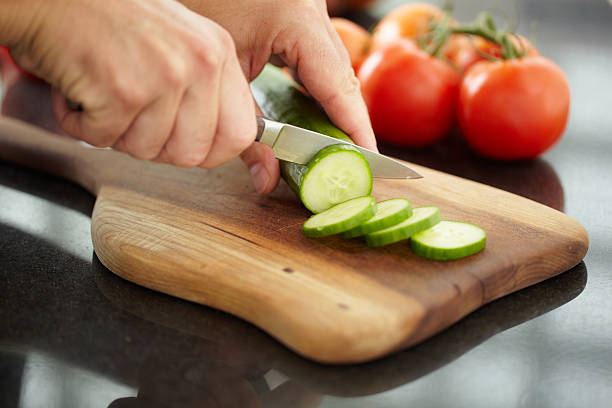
464,51
405,21
513,109
411,96
355,38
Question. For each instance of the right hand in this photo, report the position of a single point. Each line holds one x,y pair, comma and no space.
154,79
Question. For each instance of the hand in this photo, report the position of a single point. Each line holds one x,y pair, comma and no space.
154,79
299,34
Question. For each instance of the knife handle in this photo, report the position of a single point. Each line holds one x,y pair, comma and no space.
267,130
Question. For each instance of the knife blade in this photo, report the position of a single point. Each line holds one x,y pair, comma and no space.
298,145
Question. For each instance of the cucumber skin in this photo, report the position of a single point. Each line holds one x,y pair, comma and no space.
280,98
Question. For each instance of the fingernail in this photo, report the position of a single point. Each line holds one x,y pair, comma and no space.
260,176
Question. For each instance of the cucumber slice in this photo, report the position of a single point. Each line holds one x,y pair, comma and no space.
388,213
421,218
449,240
334,175
341,217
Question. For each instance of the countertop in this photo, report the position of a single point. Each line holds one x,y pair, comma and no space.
73,335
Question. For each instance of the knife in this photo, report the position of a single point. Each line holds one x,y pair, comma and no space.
298,145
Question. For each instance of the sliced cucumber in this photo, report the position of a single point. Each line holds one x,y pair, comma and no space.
281,99
340,217
336,174
421,218
388,213
449,240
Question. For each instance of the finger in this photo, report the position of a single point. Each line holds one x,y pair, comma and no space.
150,130
194,127
339,91
99,126
236,125
263,166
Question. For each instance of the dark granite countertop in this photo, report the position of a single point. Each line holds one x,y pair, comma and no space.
73,335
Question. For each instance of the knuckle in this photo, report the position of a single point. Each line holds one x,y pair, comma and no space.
226,42
175,73
352,84
129,95
211,55
130,98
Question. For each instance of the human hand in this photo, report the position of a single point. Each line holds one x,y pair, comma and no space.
154,79
299,34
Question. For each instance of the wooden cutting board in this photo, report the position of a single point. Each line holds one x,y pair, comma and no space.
206,236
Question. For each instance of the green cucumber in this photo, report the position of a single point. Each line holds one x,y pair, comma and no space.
421,218
449,240
280,98
388,213
336,174
340,217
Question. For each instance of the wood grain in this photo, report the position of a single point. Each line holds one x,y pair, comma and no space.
206,236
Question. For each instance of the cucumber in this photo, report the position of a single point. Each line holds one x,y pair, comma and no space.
336,174
421,218
320,184
340,217
449,240
388,213
282,99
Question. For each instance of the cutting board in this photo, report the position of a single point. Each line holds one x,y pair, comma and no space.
206,236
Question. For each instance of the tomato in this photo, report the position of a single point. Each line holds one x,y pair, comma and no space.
411,96
464,51
355,38
513,109
405,21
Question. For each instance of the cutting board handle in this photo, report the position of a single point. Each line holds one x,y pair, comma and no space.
39,149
